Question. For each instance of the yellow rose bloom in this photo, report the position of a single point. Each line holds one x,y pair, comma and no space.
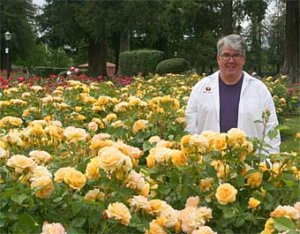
92,168
253,203
51,228
111,117
60,173
139,125
13,121
45,186
119,212
92,126
155,228
226,193
21,163
219,142
178,157
254,180
206,184
150,160
37,130
40,156
75,179
111,159
237,137
94,195
269,227
75,134
157,206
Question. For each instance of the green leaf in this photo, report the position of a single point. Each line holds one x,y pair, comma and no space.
239,222
228,213
19,198
78,222
76,207
273,133
239,181
284,224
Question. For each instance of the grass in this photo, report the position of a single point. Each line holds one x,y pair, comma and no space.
288,136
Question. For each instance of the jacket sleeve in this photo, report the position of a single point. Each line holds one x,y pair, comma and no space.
272,123
191,111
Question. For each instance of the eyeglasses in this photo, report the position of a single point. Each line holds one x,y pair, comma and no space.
227,56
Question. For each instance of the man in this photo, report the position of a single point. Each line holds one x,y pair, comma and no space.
231,98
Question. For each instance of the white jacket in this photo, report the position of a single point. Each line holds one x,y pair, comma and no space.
202,112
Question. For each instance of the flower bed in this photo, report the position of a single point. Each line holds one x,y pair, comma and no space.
93,157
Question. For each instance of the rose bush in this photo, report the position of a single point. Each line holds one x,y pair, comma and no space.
90,158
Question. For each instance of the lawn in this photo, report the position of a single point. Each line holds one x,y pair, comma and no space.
288,136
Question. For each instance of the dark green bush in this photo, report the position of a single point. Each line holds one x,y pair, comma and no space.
139,61
47,71
173,65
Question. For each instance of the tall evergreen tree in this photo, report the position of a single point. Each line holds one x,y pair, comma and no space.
291,65
16,17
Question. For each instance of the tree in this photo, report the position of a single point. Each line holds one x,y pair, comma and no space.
256,11
275,38
228,23
291,60
17,17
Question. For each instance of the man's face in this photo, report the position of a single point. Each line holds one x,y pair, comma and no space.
231,62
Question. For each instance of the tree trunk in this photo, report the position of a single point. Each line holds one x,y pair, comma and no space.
228,29
291,61
123,46
97,58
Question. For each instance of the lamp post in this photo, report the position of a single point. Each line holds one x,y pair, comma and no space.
7,36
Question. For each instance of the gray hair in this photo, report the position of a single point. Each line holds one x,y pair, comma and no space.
233,41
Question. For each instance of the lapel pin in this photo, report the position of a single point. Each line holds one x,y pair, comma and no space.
207,89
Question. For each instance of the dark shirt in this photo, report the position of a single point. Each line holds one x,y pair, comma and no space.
229,104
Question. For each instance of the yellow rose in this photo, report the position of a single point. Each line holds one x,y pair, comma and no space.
60,173
111,117
21,163
150,161
119,212
111,159
45,186
155,228
156,206
92,126
269,227
75,134
75,179
226,193
49,228
253,203
204,230
41,179
78,108
94,195
219,142
254,180
178,157
139,125
40,156
236,136
206,184
92,168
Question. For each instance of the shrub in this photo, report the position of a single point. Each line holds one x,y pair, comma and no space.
47,71
139,61
173,65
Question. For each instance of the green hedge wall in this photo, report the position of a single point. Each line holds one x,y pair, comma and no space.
139,61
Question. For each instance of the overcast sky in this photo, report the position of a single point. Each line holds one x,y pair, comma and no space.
39,2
